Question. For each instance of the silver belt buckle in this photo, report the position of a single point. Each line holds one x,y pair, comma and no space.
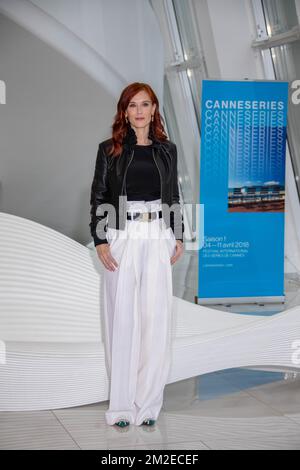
145,217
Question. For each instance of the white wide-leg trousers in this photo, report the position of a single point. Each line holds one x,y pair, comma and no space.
138,299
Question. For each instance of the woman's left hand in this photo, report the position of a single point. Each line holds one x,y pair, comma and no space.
178,252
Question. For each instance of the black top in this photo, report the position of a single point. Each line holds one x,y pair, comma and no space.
142,178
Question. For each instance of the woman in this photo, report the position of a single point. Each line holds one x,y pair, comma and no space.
134,187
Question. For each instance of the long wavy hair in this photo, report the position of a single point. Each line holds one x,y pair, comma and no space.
120,126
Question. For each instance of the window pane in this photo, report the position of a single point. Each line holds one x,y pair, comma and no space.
281,15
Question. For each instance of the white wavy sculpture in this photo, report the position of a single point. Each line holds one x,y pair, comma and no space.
51,341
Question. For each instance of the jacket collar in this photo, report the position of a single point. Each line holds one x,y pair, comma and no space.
130,138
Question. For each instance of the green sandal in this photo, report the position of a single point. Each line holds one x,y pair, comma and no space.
149,422
122,423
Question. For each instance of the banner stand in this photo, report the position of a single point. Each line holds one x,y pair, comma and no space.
242,190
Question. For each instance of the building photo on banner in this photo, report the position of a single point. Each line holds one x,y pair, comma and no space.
149,225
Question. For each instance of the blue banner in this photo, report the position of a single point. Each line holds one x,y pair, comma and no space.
242,188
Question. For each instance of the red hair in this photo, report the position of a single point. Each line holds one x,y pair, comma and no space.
120,126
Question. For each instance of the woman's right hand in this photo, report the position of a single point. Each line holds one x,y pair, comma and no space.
105,256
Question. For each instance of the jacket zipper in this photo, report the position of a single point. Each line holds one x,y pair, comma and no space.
126,172
158,172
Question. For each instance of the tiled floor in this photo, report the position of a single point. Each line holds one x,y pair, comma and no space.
232,409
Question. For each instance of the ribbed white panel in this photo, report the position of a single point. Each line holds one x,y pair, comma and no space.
49,288
51,325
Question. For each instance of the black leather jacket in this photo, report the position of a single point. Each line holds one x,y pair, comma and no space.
109,187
